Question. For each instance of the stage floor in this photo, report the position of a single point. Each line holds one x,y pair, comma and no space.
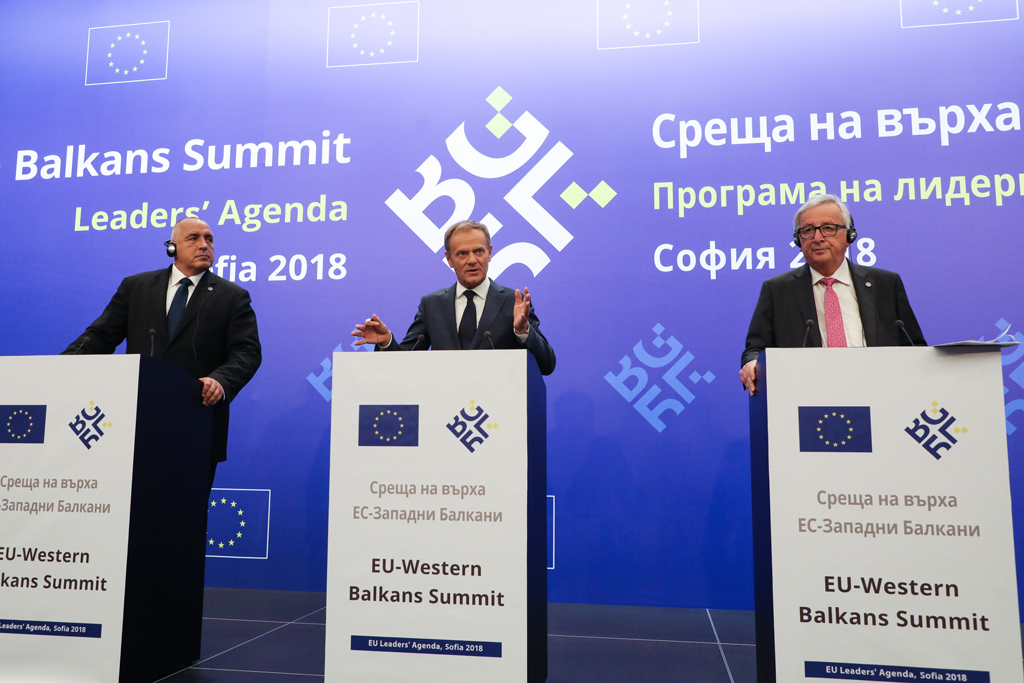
257,636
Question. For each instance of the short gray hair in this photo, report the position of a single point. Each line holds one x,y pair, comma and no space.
818,199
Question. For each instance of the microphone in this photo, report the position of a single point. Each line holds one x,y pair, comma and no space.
152,340
903,328
419,339
807,334
487,334
85,340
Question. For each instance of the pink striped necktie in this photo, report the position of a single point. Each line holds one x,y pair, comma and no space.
833,316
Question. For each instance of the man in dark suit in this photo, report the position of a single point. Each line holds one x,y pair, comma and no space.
452,318
190,316
830,301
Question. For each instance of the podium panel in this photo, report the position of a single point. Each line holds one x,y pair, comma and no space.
66,473
882,523
103,466
436,555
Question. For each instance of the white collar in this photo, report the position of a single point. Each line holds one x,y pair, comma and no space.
842,274
480,290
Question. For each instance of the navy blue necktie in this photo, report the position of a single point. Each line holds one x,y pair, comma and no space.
467,327
177,306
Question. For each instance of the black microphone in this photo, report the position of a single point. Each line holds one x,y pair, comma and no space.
152,340
85,340
488,335
807,334
418,340
903,328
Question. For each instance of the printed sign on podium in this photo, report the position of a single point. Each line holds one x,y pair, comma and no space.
882,527
436,558
104,464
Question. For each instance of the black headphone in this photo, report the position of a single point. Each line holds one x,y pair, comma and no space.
173,250
851,235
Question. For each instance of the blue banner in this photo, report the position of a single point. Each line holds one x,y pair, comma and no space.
638,164
427,646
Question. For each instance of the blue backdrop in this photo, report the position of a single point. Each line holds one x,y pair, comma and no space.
642,158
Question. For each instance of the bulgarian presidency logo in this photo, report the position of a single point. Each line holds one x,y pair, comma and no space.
389,425
504,175
835,429
23,424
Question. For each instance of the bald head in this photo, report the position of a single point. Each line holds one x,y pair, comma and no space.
193,243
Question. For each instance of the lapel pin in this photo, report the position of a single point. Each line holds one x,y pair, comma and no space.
867,284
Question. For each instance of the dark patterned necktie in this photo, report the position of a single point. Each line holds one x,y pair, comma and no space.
467,327
177,306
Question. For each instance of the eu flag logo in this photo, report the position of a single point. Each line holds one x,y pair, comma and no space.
835,429
127,53
919,13
238,523
22,424
647,23
389,425
378,33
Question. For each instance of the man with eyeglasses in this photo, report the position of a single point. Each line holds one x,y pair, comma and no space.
830,301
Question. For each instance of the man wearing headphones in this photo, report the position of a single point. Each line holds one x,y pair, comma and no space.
830,301
190,316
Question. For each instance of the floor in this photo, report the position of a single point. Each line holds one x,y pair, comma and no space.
257,636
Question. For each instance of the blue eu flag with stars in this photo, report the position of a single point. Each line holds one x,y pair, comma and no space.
22,424
127,53
389,425
238,523
835,429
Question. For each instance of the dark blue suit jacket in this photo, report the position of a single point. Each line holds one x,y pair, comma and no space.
217,336
435,320
786,304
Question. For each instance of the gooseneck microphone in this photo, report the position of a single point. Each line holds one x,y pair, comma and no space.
487,334
807,334
152,340
903,328
85,340
419,339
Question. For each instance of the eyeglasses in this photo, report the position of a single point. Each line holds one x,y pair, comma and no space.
827,230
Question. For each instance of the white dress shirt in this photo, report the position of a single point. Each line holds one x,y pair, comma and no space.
172,286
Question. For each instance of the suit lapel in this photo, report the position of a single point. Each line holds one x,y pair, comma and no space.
805,303
158,302
863,285
451,326
496,295
204,290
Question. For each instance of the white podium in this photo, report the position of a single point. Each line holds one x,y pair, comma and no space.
883,536
436,553
104,469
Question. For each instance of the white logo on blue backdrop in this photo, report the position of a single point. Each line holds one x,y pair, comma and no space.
921,13
647,23
128,53
521,197
382,33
